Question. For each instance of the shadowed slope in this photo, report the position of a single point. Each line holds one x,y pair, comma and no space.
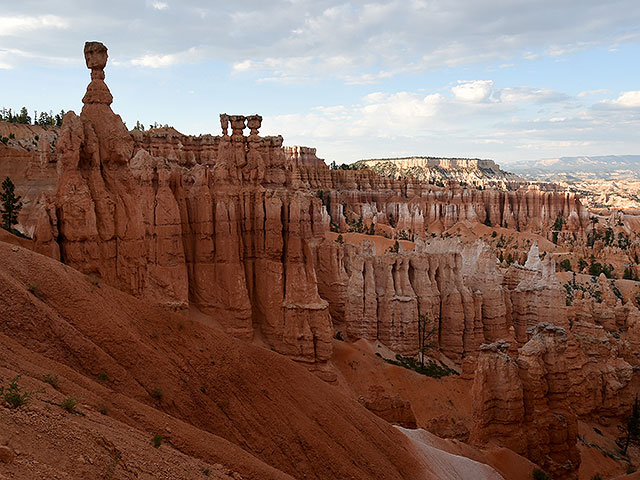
223,401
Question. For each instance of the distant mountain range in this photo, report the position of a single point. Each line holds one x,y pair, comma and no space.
572,169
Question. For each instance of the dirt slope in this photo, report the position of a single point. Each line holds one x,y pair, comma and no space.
223,402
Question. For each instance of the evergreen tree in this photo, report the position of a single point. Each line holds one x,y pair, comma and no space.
425,333
24,117
630,429
11,204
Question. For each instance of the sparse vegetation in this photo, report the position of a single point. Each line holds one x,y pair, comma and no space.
566,265
10,205
340,240
569,289
582,264
114,460
596,268
69,404
103,377
51,380
616,291
103,409
430,368
629,274
630,429
560,221
392,222
157,394
35,291
206,472
156,441
540,474
357,226
14,395
425,333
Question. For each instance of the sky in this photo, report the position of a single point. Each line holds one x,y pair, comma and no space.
509,80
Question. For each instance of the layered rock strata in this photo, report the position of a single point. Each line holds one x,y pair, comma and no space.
432,169
391,408
236,238
235,224
522,402
379,297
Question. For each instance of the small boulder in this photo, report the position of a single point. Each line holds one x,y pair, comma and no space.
6,454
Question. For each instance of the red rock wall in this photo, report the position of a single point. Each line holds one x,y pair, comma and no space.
523,402
236,237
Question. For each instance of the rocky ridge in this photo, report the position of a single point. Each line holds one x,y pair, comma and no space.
473,171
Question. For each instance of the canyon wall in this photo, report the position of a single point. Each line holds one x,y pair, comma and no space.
522,401
472,171
239,227
236,225
235,238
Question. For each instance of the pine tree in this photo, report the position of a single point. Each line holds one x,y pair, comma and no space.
630,429
425,333
11,204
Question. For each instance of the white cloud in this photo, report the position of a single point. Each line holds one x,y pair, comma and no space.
359,42
474,91
10,58
525,119
167,60
519,95
628,99
10,26
156,61
545,145
588,93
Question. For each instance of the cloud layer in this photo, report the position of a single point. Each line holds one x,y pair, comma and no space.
358,41
471,118
347,76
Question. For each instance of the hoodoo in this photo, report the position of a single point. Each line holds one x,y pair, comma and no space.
374,278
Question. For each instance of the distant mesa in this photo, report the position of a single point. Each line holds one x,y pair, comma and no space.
435,169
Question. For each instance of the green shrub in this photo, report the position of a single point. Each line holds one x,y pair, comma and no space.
156,441
430,368
157,394
13,394
51,380
35,291
113,463
103,377
69,404
540,474
597,476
